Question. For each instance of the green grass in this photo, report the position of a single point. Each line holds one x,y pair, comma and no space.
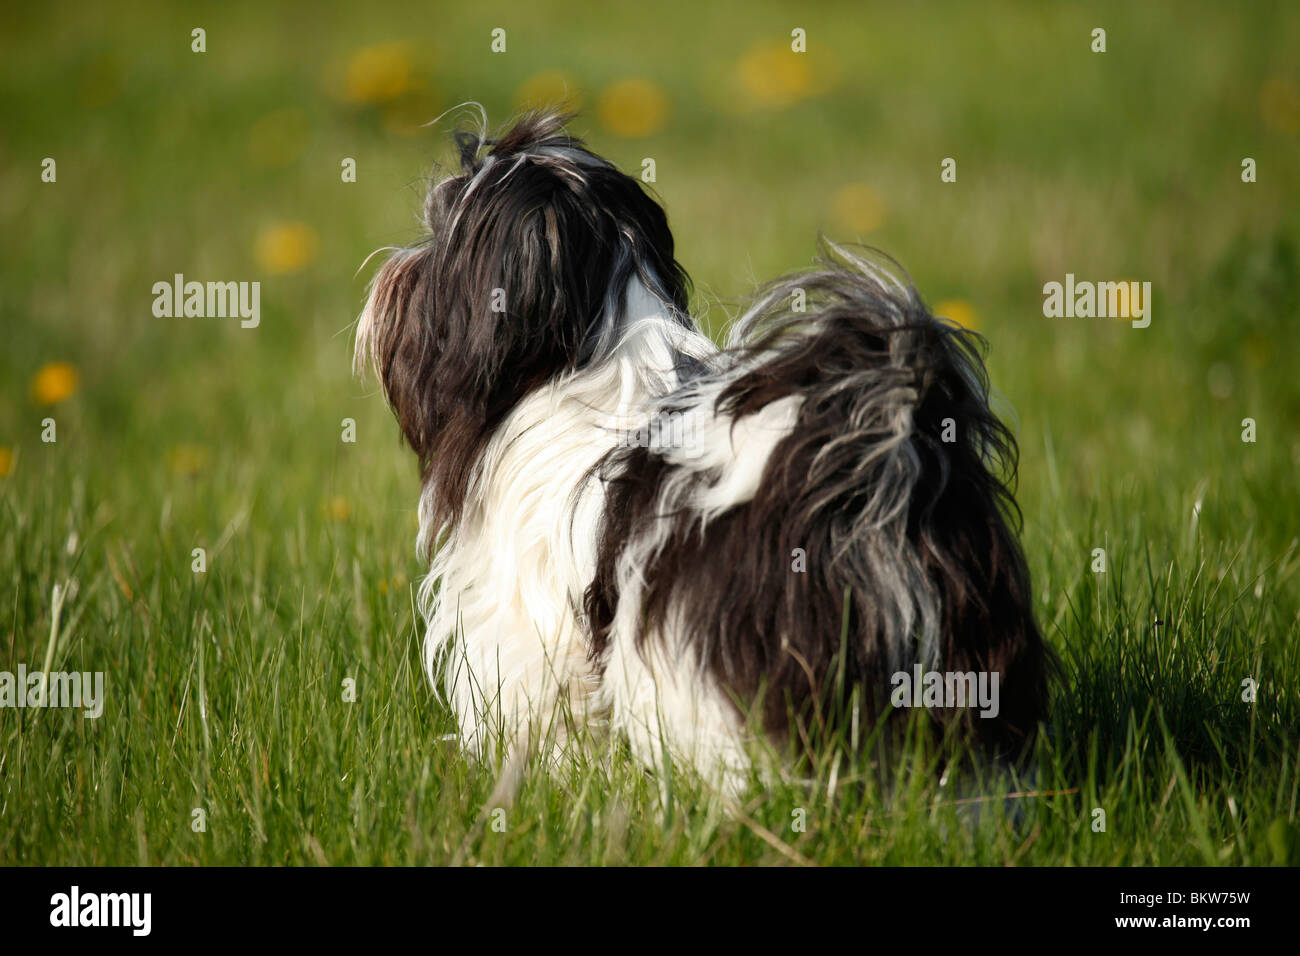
224,689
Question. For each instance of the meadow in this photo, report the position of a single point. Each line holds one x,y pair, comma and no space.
1178,712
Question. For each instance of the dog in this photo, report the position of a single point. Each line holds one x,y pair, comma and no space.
629,527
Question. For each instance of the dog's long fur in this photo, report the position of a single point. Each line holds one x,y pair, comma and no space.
654,584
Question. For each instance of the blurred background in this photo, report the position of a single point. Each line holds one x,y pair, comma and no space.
226,165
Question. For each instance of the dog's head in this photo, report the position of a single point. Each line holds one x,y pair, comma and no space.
522,278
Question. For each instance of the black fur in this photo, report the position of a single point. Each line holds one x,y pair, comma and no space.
862,353
560,232
909,538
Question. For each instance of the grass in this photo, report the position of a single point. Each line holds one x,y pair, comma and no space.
225,688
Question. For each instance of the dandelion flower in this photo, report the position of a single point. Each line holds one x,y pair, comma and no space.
55,382
633,108
549,88
379,73
773,75
858,208
959,311
338,508
286,247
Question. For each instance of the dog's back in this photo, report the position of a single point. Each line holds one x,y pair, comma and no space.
623,519
842,518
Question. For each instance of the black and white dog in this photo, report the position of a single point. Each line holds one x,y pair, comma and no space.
632,527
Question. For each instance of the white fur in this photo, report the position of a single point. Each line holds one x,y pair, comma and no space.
505,588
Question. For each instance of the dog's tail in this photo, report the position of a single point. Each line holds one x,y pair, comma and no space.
846,477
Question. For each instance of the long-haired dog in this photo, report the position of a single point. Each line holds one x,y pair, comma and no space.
630,526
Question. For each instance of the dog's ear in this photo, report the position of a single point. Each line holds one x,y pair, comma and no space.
540,239
523,278
395,340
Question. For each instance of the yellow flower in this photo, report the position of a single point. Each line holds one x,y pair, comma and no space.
278,138
858,208
6,461
549,88
186,461
771,74
54,383
378,73
959,311
1279,104
286,247
633,108
338,508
